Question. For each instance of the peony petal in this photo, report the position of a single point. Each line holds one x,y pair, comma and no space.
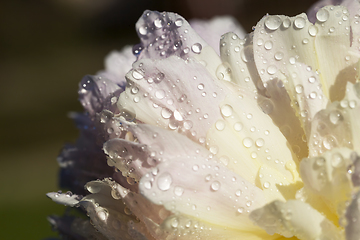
169,92
212,30
67,199
337,65
245,138
281,41
117,64
153,145
336,125
211,193
237,61
295,218
326,176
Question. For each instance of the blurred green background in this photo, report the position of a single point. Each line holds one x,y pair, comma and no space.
46,47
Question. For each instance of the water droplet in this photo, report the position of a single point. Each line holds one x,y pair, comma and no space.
196,48
178,191
201,86
272,69
320,161
305,41
158,23
160,94
179,22
238,193
268,45
335,116
220,125
312,79
238,126
266,106
322,15
259,142
248,142
266,185
300,22
278,56
240,210
237,49
148,185
164,181
313,30
166,113
226,110
195,168
142,30
188,124
292,60
299,88
273,22
215,186
286,23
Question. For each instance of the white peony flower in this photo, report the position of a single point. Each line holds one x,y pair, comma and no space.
260,142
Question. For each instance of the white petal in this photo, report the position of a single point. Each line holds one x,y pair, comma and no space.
204,189
169,93
238,61
295,218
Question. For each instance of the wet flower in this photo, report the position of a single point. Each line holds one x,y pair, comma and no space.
260,142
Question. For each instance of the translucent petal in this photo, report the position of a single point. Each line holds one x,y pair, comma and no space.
67,199
211,30
295,218
169,93
238,61
352,218
210,192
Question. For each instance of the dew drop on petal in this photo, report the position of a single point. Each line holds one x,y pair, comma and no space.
158,23
196,48
286,23
266,185
268,45
272,69
335,116
215,186
248,142
313,30
226,110
322,15
238,126
164,181
166,113
178,191
238,193
188,124
299,88
220,125
300,22
148,185
178,22
259,142
273,22
278,56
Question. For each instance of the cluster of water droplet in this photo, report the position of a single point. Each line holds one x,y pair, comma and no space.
165,34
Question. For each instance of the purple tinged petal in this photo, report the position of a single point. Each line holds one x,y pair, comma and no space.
311,13
165,34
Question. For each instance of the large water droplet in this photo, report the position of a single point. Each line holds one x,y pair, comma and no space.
226,110
322,15
248,142
178,191
196,48
273,22
300,22
313,30
335,116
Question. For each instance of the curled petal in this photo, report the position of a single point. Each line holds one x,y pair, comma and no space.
295,218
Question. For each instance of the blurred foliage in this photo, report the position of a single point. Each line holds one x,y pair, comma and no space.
45,49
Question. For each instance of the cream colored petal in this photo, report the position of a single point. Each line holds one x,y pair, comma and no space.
337,125
295,218
238,61
326,176
336,66
204,189
169,93
245,137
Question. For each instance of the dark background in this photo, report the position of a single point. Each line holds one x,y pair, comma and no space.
46,47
